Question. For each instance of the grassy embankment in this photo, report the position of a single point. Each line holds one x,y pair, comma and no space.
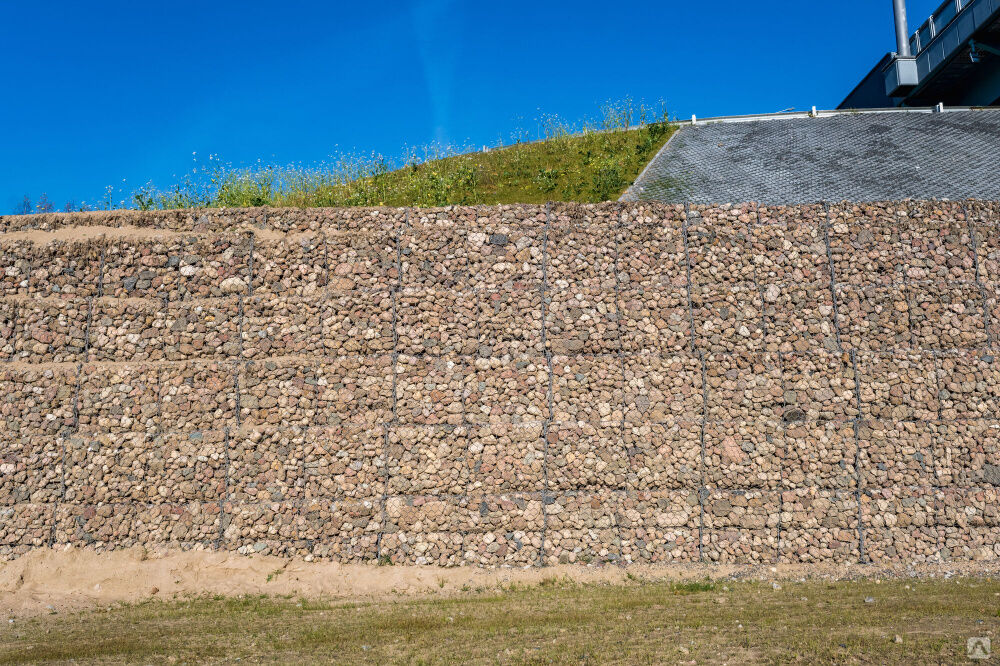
590,161
556,622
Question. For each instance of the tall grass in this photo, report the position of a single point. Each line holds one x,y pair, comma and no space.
589,160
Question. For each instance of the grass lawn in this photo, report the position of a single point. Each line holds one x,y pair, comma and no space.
590,161
555,622
586,168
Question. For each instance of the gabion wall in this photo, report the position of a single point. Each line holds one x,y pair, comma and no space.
515,385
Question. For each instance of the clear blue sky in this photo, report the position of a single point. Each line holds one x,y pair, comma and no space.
97,92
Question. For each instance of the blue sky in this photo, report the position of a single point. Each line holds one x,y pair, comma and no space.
100,92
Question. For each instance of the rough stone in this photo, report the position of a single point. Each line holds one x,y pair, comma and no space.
506,386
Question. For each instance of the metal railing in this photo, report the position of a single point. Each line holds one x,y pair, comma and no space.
827,113
937,22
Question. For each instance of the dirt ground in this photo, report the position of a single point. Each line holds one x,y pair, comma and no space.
70,579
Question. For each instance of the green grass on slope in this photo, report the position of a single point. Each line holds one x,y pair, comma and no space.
591,162
588,168
556,622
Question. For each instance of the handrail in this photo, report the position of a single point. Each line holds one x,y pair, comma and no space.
935,27
815,113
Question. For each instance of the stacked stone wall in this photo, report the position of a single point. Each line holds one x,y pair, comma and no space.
511,385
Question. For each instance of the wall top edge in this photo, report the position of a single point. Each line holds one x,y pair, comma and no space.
285,220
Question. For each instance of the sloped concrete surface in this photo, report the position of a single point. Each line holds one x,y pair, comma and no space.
862,157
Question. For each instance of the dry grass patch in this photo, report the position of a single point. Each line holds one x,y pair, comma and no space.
557,621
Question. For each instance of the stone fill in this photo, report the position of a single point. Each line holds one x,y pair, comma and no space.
506,386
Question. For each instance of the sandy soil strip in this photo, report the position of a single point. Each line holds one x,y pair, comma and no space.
68,579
